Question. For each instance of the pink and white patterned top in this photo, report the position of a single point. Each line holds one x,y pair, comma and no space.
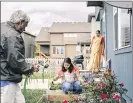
66,76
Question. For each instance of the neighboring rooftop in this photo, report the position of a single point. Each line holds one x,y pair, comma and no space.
90,17
67,27
43,34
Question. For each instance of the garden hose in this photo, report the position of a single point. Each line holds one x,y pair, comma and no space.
24,89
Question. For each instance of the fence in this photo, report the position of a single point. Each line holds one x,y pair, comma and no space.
54,64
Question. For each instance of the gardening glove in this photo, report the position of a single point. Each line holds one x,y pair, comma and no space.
36,67
81,80
51,82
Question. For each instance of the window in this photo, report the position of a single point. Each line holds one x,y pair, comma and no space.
87,51
70,35
122,28
58,49
124,32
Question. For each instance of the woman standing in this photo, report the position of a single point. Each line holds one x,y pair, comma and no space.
70,77
97,52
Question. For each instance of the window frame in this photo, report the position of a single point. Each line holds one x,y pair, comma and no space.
121,47
117,35
61,46
70,35
115,12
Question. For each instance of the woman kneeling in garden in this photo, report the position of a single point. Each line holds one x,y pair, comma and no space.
69,75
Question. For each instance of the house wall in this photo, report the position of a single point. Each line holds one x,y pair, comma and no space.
84,37
43,35
56,39
121,60
70,43
29,42
70,50
94,26
68,40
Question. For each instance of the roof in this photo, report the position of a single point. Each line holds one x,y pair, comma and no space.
95,3
90,17
70,27
25,32
120,4
43,35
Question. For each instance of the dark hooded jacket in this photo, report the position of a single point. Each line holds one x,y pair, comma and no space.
12,54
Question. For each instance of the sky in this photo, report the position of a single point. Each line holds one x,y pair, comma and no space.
43,14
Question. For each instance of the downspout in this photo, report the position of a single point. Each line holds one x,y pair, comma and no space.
106,34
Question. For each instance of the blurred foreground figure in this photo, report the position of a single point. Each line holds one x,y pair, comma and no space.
12,52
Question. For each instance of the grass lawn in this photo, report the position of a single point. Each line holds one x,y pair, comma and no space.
33,96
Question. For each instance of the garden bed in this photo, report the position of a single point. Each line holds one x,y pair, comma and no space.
107,90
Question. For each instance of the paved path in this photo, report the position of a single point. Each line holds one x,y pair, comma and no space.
35,84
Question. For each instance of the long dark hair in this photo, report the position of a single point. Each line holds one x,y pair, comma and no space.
98,31
67,60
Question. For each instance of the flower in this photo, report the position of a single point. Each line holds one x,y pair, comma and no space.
106,73
107,88
101,86
121,84
112,95
103,96
116,96
109,70
113,76
65,101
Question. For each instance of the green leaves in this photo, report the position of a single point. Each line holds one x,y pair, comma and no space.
32,96
107,86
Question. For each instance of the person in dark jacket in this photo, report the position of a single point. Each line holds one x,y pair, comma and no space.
13,64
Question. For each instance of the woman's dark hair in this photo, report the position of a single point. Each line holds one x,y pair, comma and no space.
98,31
67,60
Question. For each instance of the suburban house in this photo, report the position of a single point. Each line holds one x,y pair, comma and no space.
29,40
43,41
116,27
64,39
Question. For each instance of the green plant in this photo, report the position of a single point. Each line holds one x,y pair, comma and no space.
33,96
108,90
